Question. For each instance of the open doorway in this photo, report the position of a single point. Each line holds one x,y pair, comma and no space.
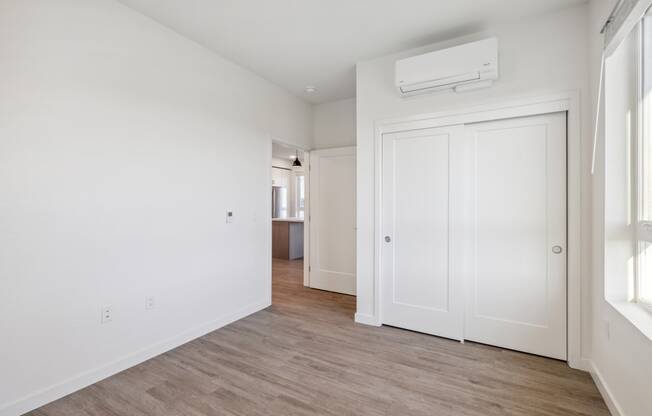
313,230
289,213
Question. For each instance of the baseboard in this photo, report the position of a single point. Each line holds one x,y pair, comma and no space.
609,399
66,387
583,364
365,319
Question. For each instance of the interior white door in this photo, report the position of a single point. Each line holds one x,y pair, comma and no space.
332,220
516,234
421,290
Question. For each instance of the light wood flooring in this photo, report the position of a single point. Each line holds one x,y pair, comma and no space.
305,356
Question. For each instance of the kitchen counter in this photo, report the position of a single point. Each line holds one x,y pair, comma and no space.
287,238
295,219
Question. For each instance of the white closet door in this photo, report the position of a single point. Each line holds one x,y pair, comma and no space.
420,288
332,223
516,238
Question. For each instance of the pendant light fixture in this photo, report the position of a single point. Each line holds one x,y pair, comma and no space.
297,162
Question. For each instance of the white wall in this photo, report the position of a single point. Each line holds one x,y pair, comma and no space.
122,145
622,355
334,124
540,56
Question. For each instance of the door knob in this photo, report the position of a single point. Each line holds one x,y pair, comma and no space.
557,249
388,239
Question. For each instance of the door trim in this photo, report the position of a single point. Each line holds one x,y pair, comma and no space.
569,102
307,219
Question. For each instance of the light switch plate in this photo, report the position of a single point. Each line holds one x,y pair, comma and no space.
229,217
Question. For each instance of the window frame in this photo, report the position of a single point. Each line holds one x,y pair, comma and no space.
300,177
643,228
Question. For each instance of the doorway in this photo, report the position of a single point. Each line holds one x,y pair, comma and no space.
289,206
313,220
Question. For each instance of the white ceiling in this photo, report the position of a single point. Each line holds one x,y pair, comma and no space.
280,151
295,43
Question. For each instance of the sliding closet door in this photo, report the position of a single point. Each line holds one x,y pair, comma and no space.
516,235
420,288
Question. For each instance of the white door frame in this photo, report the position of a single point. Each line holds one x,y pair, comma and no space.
307,218
568,102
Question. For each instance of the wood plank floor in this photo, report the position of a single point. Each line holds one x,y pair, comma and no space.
306,356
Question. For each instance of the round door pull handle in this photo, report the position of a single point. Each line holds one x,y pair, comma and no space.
557,249
388,239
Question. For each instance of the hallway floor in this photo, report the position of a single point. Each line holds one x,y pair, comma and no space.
305,356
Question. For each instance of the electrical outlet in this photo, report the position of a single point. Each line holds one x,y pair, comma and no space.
149,302
107,314
229,217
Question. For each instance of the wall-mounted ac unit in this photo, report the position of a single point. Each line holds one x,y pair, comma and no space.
465,67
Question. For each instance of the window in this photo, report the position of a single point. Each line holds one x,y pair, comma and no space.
301,196
643,177
626,160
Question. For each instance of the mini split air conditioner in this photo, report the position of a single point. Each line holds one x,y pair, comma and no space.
465,67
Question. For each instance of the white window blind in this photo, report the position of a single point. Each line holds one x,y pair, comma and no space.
624,17
619,24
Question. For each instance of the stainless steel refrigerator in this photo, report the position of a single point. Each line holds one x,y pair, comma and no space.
279,202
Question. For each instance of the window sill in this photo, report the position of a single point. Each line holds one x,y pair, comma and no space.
636,314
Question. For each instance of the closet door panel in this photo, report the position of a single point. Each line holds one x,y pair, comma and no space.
516,292
420,289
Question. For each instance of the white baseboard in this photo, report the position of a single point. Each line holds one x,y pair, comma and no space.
609,399
85,379
365,319
583,364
